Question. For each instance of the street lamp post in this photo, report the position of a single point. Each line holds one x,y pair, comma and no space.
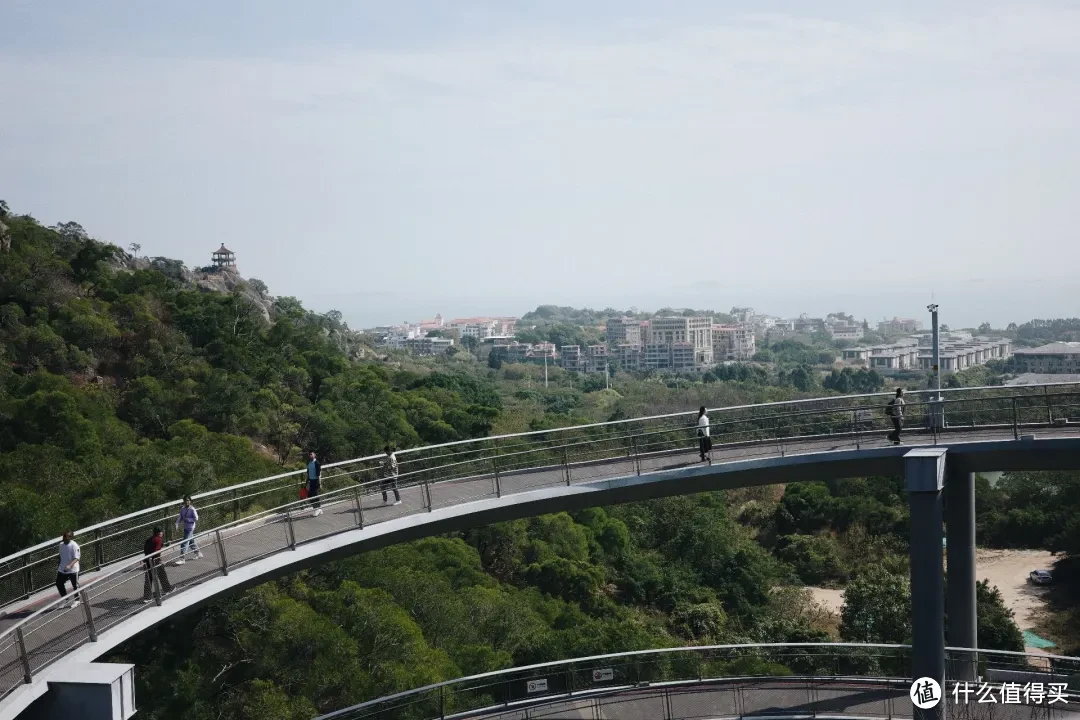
937,408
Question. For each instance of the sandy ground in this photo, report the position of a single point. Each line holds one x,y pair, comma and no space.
1007,569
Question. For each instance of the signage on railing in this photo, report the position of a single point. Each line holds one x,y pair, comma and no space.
603,675
536,686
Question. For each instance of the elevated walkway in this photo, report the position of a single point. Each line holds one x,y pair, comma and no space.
463,485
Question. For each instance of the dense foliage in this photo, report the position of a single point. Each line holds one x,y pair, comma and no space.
123,385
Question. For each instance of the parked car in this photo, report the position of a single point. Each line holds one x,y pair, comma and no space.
1040,577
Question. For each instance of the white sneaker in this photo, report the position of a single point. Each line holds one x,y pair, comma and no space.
181,561
145,602
318,511
397,502
74,604
198,555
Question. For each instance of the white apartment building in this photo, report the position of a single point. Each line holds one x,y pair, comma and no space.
959,354
697,331
846,332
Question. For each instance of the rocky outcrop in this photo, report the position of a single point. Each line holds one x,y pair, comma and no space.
224,280
228,280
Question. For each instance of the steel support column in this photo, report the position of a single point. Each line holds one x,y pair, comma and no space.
960,561
924,471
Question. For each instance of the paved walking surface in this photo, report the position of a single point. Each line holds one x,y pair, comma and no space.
59,630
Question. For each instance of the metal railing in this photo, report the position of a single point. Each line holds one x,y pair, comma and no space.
799,679
772,426
253,520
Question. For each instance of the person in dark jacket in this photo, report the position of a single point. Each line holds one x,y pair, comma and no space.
152,564
314,473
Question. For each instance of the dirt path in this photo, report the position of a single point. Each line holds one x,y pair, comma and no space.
1006,569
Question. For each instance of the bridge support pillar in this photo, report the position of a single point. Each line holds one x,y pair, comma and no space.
924,471
960,560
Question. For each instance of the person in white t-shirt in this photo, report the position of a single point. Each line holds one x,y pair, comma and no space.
704,440
69,566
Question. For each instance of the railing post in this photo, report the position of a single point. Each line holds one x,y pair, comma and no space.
442,702
235,507
855,427
27,577
637,459
90,627
290,533
99,551
498,485
27,676
1016,424
427,493
566,462
1049,410
359,508
222,556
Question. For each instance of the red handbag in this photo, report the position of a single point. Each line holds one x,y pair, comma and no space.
303,492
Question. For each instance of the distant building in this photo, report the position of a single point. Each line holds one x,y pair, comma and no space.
846,332
733,342
1055,358
428,345
899,326
223,258
808,325
697,331
621,330
960,351
572,358
629,357
597,360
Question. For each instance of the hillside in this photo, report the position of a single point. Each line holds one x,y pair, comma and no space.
125,382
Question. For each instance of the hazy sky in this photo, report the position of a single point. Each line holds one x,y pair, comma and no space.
399,158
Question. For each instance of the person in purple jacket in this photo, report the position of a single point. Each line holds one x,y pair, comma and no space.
189,517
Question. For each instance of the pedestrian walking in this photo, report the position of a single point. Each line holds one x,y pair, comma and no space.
390,476
895,411
152,565
188,518
704,439
314,475
68,571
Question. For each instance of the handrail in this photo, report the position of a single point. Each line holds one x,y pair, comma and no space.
523,669
532,433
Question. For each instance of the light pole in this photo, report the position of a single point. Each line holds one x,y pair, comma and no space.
937,415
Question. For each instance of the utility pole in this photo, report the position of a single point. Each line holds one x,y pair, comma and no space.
937,418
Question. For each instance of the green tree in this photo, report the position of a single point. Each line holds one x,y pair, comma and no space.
877,607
